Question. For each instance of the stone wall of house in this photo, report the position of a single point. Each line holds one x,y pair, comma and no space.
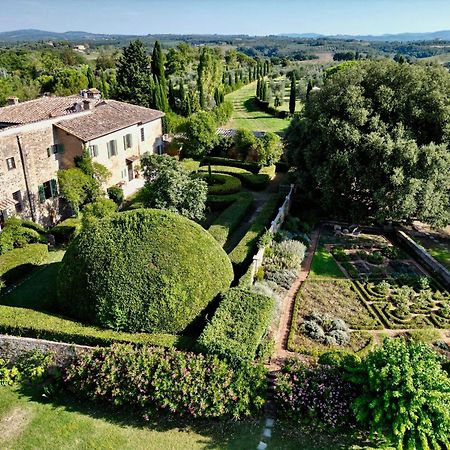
11,347
39,168
117,164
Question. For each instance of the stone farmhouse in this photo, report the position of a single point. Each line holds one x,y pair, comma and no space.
41,136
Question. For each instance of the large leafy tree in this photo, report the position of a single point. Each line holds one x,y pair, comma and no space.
134,79
374,142
198,134
169,186
405,395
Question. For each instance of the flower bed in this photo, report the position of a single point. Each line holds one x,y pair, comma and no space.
156,380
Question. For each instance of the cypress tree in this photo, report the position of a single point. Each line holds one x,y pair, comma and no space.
264,93
250,75
309,88
159,76
258,88
292,95
90,77
182,97
254,73
236,79
172,102
230,80
240,76
223,78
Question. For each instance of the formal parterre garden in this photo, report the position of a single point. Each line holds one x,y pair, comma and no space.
361,286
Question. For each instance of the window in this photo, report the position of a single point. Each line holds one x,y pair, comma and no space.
56,148
112,148
93,151
128,141
48,190
17,196
10,163
142,135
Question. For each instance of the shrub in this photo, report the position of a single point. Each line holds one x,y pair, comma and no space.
383,288
219,202
17,233
231,218
375,258
66,229
142,270
310,395
250,166
257,181
99,208
405,395
115,193
19,262
33,225
237,327
324,329
36,324
283,278
247,245
220,183
154,380
339,254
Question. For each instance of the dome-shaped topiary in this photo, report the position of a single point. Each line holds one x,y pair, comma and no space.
143,270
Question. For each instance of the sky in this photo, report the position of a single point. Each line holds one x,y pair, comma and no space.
252,17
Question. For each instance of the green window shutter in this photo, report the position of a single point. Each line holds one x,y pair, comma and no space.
60,148
108,147
125,142
41,193
54,188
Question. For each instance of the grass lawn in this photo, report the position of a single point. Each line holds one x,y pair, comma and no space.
442,255
27,421
324,265
247,115
38,290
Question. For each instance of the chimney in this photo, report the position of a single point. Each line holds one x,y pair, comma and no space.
87,105
13,101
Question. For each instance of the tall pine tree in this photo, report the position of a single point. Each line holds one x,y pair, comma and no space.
292,96
134,79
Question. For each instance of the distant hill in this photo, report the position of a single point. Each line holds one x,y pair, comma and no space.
443,35
80,36
40,35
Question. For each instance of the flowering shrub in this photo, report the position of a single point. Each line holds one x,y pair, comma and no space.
318,394
180,383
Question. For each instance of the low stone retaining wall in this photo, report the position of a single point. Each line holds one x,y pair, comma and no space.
436,268
11,347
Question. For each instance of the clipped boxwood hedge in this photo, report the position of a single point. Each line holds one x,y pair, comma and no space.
220,183
247,165
19,262
256,182
220,202
144,270
247,245
40,325
66,229
238,325
230,219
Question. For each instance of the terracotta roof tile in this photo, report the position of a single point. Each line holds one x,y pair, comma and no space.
41,108
106,117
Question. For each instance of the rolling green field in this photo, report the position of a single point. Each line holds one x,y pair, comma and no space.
247,115
28,421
